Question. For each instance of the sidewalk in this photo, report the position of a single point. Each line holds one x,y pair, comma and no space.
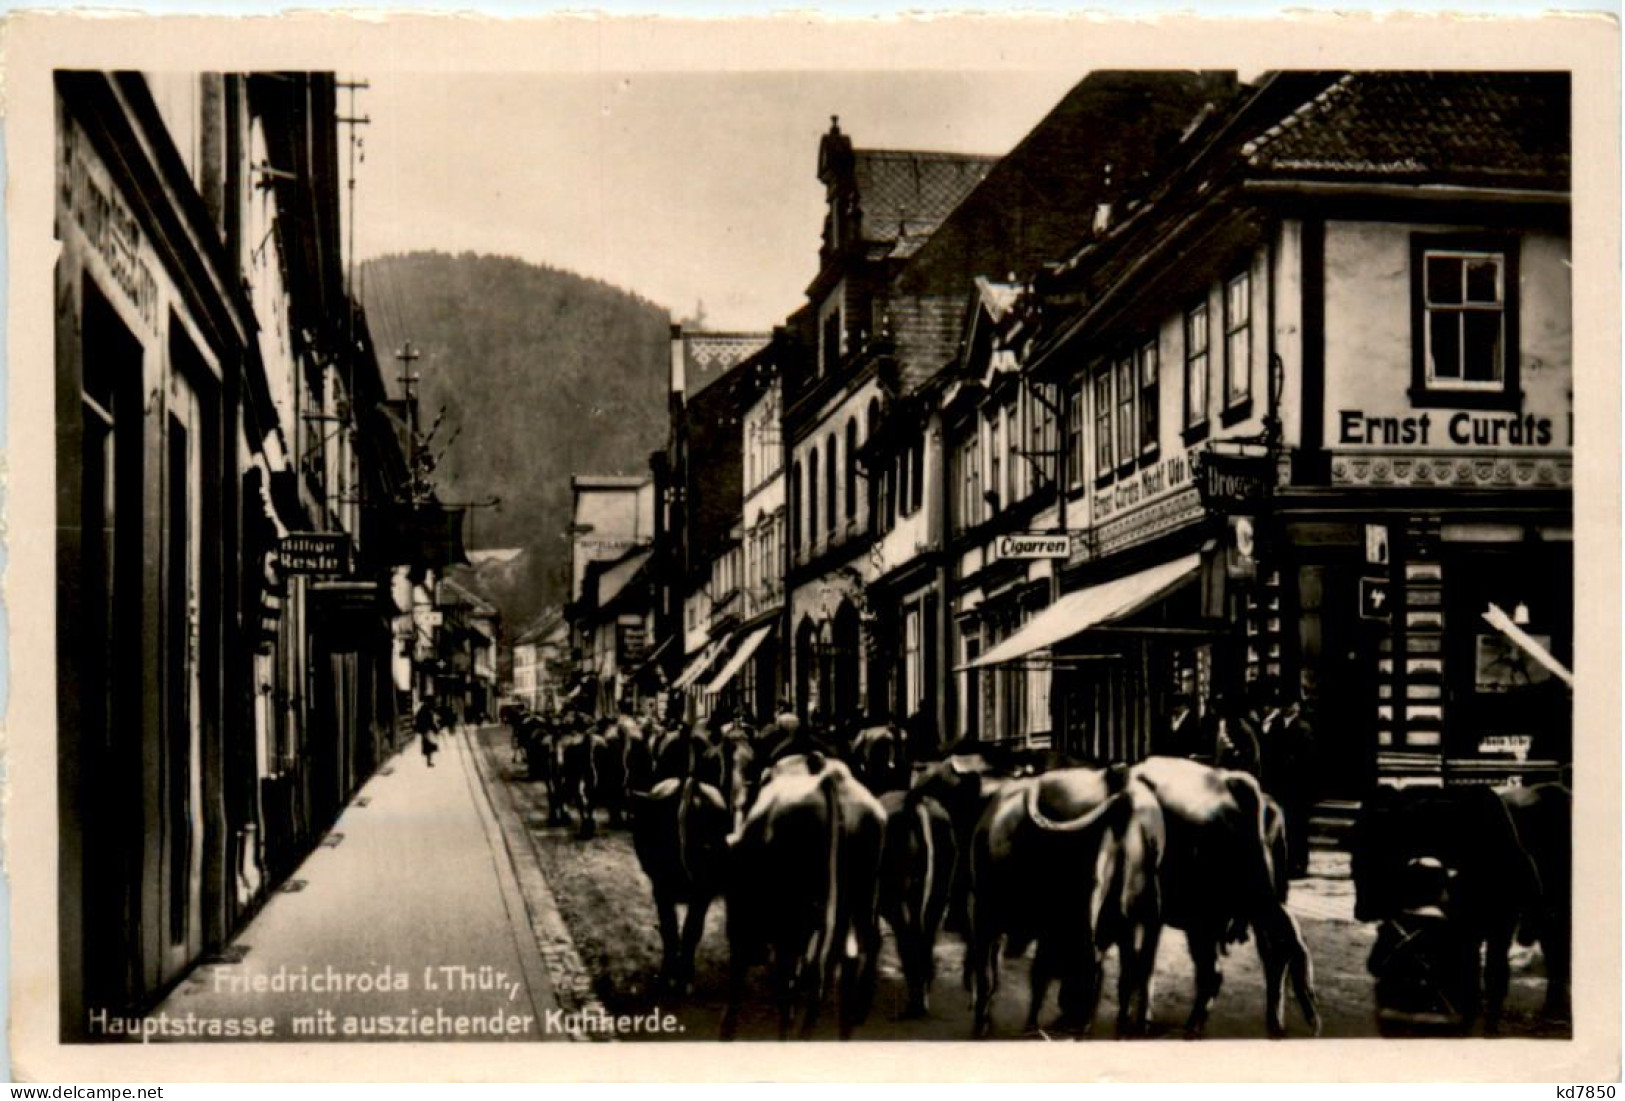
407,923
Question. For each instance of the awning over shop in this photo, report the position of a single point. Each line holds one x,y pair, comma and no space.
1097,606
692,671
1502,622
740,657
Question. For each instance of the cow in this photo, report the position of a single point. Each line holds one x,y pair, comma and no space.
679,831
1507,861
880,758
1125,908
575,758
803,885
622,765
1223,872
918,864
1033,883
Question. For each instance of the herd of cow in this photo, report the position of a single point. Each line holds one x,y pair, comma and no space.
811,845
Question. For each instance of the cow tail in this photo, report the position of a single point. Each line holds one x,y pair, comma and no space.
929,844
683,793
829,934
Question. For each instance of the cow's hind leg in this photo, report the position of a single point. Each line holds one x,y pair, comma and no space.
1497,977
1271,954
982,963
666,911
1137,957
739,957
1043,970
693,930
1554,948
1205,960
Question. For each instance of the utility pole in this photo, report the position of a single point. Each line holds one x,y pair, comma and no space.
407,356
353,121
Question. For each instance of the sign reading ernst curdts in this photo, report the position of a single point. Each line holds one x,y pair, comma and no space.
315,552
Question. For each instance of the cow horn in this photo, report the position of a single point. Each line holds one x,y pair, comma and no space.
1075,825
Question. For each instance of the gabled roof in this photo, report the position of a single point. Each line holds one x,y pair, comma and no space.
1426,127
904,195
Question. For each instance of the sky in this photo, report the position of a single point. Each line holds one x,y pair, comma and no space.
686,188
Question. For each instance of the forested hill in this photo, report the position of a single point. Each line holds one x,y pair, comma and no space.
541,374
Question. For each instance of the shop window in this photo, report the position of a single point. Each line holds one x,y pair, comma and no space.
1238,342
1148,365
1465,322
1196,368
1128,443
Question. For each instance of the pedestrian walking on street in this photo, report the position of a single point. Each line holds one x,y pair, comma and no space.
427,722
1288,772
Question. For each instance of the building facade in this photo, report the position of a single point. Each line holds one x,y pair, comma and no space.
226,521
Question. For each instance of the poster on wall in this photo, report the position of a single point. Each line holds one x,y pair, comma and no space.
1501,665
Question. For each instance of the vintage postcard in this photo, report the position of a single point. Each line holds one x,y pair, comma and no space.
533,536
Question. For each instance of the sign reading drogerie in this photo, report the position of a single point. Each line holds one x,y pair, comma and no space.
321,552
1033,545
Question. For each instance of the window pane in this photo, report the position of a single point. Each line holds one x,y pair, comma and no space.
1196,389
1444,343
1238,361
1481,359
1443,279
1484,280
1196,331
1238,302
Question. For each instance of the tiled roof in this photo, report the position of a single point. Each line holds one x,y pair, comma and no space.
1510,128
905,195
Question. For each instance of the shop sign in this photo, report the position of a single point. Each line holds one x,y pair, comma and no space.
1514,745
1151,484
314,552
85,188
1376,598
1376,544
1242,561
1233,483
1033,545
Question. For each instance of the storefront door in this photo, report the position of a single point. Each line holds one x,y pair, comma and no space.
181,744
1338,653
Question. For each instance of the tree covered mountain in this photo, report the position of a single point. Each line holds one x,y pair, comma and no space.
533,374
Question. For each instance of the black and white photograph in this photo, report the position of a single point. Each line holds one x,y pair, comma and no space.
707,552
